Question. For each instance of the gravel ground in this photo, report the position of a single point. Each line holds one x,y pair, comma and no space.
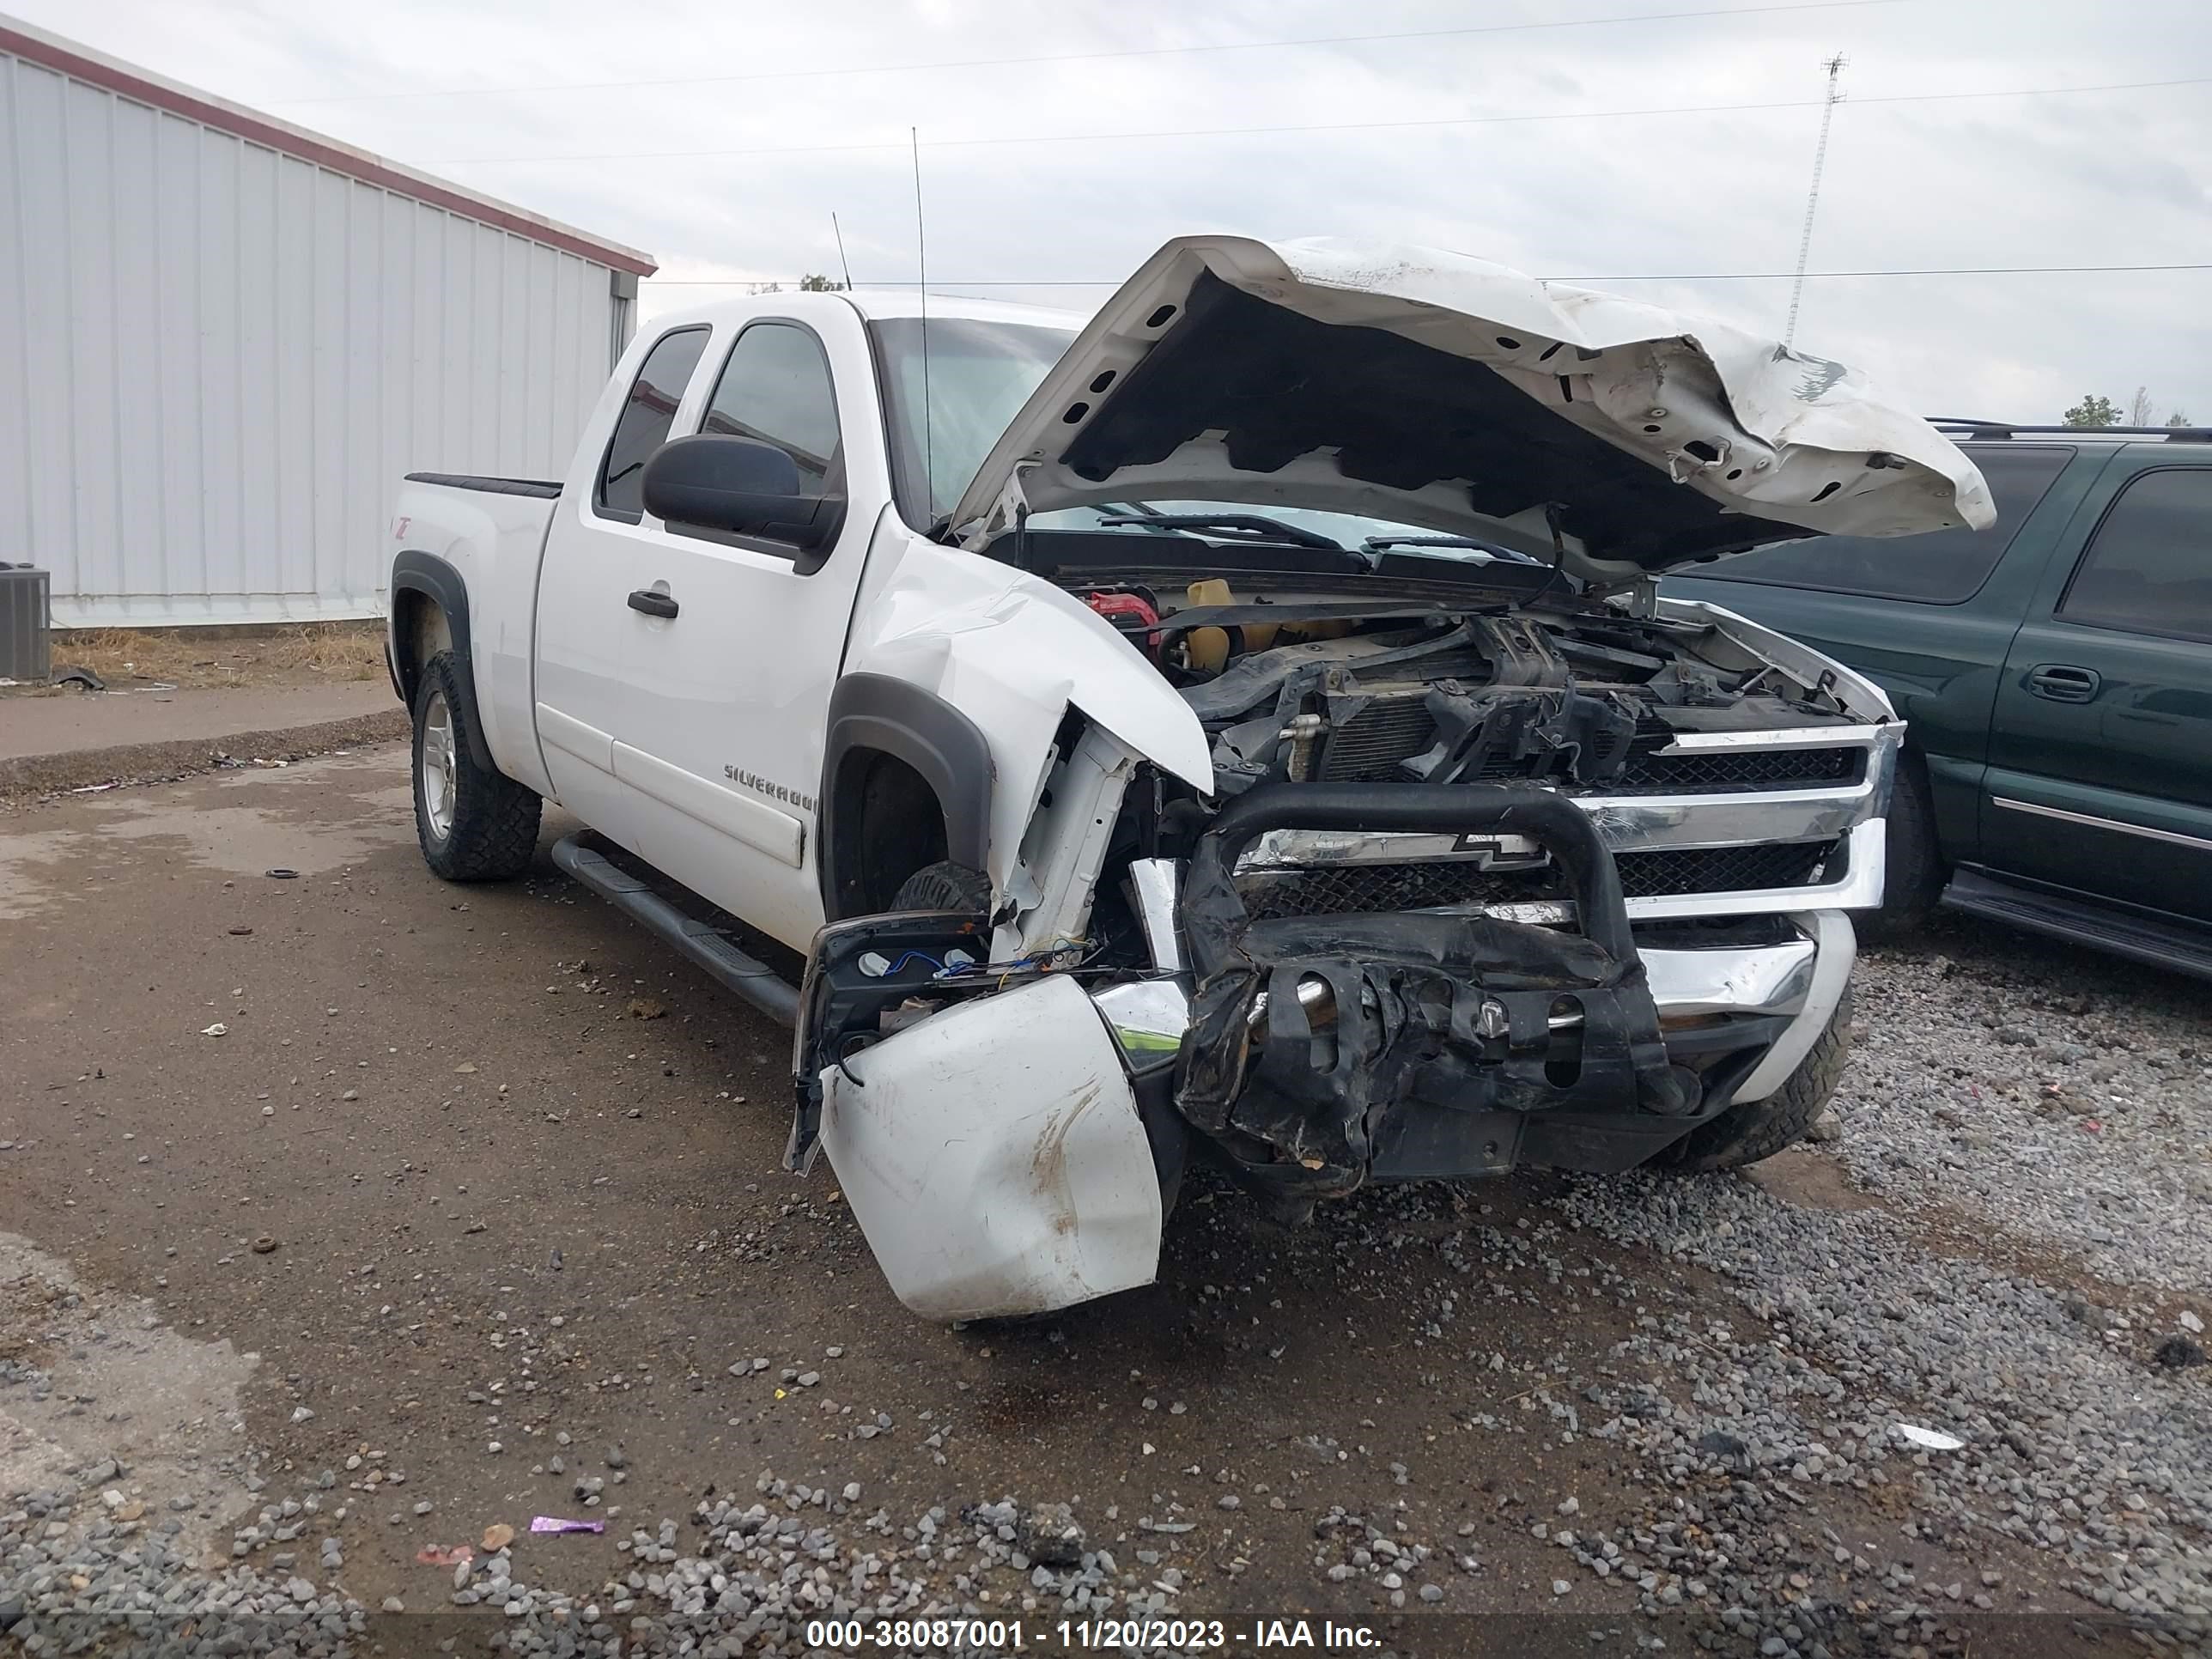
2061,1097
528,1254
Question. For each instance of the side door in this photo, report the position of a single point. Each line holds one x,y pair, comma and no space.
2100,762
729,695
595,551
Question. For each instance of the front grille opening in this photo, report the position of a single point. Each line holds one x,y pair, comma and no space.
1382,888
1672,872
1346,890
1737,771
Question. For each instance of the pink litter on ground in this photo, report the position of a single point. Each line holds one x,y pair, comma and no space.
438,1555
556,1523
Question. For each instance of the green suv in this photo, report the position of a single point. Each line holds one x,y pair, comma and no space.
2056,671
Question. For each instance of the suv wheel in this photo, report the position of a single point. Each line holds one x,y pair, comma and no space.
1912,862
473,824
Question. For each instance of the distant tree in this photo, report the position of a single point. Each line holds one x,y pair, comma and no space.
2139,407
2179,418
814,282
2093,410
765,288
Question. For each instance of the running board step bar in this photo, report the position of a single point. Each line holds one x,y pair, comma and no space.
2172,945
711,951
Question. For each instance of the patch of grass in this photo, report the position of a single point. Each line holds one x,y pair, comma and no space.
304,654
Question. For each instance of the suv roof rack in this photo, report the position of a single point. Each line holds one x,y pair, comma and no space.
1969,427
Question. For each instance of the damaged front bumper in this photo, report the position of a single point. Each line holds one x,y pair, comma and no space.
1011,1153
1325,1052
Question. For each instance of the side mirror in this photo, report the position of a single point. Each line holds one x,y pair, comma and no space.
716,481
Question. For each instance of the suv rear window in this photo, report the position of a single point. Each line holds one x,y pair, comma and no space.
2145,570
1943,567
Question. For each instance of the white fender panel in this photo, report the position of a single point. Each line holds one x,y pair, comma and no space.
994,1158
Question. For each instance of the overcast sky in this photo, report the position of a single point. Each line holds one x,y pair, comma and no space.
2092,177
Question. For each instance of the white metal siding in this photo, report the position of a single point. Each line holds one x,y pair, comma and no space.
217,360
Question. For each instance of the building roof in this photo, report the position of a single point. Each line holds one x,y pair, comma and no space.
81,62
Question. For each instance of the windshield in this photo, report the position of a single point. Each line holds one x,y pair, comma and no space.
979,375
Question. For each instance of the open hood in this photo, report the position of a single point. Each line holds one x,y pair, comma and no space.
1432,389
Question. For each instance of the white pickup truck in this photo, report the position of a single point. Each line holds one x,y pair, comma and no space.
1242,724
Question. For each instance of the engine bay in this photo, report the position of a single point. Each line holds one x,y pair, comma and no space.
1582,697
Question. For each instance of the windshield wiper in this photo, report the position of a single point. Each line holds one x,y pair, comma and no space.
1246,527
1383,544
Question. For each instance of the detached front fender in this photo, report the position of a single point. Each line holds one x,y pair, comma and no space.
994,1157
1012,654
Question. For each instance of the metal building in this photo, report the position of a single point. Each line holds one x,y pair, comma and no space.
223,338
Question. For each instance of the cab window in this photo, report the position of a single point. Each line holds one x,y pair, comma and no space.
642,426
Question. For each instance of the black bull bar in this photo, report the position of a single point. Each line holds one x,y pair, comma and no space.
1445,1044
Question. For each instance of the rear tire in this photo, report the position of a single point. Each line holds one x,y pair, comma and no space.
944,886
1913,874
1744,1134
473,824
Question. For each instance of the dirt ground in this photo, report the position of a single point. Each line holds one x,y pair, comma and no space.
312,653
475,1179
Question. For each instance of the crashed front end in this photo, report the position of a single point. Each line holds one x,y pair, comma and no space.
1318,983
1432,847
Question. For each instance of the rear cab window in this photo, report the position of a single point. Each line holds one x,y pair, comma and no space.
2147,568
1944,567
643,425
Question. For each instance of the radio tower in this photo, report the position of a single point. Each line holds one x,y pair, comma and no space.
1835,68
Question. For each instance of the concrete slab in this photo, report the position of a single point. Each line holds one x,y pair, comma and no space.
61,724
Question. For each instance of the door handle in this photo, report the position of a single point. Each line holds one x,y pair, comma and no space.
2064,683
653,603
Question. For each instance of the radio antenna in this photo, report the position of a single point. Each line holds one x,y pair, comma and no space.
921,259
845,263
1835,67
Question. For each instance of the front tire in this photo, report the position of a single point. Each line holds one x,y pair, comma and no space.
944,886
1760,1128
473,824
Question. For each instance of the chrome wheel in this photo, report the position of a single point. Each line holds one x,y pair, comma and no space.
438,782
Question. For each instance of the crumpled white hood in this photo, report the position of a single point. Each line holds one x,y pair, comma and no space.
1181,388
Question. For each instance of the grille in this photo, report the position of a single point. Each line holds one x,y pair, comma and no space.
1721,869
1364,889
1723,770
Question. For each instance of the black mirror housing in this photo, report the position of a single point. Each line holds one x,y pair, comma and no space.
740,486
